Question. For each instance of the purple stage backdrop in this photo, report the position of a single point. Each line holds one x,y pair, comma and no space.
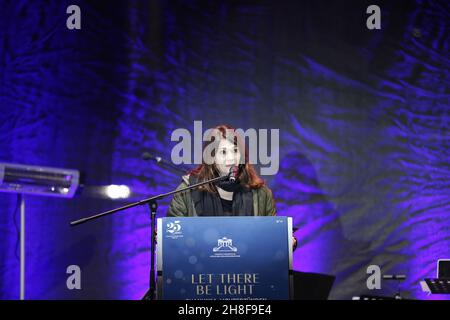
363,118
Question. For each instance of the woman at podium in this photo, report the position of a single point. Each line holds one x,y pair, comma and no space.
247,195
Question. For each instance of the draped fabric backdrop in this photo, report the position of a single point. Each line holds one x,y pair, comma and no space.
363,118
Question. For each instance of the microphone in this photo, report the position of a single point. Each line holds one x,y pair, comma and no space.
233,174
148,156
164,164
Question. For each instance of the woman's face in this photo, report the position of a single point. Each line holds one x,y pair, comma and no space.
227,156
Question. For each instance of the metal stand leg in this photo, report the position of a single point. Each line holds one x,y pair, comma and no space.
22,247
151,293
153,207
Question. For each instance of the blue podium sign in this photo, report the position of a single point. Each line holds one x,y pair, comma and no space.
224,258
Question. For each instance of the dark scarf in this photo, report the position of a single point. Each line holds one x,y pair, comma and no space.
207,204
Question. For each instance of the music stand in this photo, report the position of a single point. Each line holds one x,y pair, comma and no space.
312,286
436,286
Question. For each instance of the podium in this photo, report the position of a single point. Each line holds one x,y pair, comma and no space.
224,258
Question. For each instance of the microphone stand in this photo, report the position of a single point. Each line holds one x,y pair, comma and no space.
152,203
